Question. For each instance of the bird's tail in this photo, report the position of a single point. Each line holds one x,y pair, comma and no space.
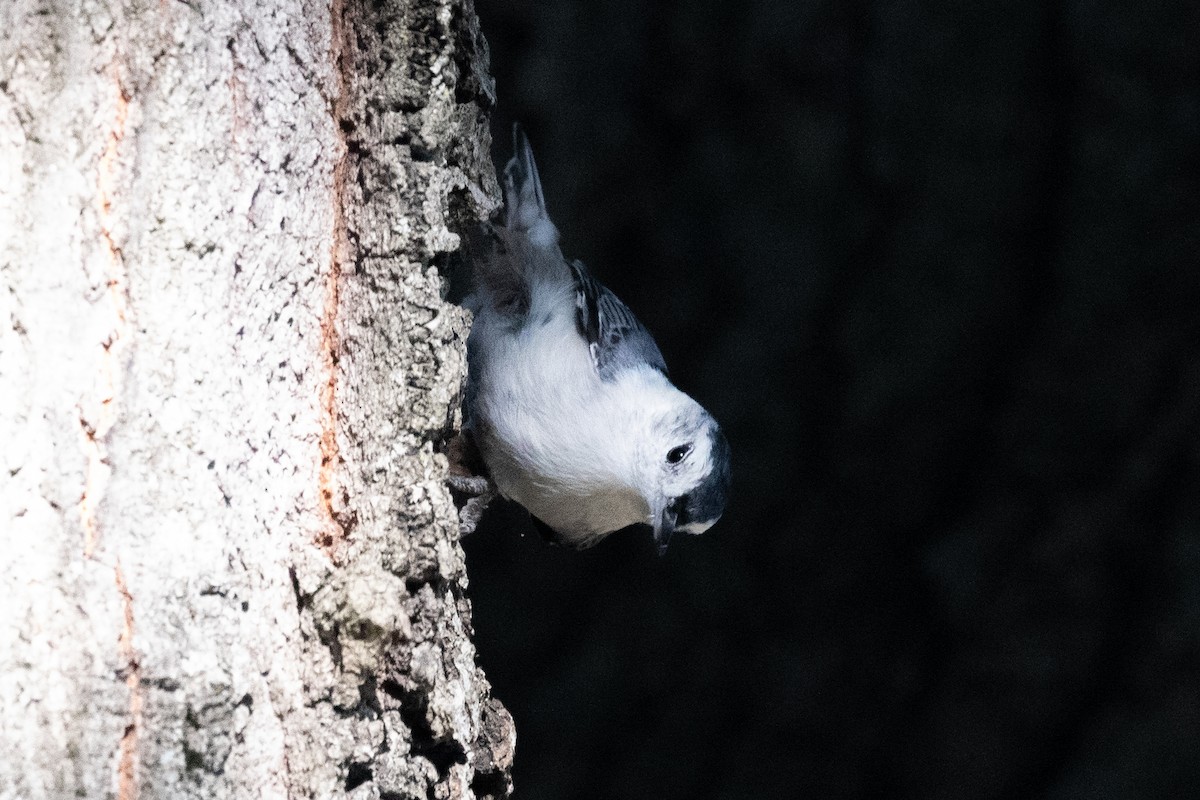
512,258
524,203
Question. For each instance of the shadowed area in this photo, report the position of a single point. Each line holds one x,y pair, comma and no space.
934,269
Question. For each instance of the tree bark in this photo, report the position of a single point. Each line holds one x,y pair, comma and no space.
230,564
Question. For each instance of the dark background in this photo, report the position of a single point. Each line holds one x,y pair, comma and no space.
934,267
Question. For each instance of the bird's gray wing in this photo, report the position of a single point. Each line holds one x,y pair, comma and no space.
616,338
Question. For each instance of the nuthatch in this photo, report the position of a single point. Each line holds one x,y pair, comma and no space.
568,400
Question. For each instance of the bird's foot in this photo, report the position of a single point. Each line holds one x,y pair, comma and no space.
473,491
478,491
470,485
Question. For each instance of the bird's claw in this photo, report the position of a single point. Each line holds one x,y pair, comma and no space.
479,491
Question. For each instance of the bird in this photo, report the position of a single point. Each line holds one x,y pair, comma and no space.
568,402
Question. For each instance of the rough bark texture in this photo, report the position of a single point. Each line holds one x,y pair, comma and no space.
230,564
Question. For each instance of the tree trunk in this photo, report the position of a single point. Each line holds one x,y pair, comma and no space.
230,564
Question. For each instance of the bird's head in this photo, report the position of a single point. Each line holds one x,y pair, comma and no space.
686,471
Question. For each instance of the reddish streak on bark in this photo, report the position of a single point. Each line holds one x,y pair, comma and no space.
97,419
237,92
127,786
327,478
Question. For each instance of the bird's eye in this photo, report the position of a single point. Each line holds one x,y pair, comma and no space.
677,454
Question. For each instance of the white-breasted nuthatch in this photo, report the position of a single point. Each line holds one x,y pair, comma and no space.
568,400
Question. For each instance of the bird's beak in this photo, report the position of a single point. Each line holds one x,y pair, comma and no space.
664,528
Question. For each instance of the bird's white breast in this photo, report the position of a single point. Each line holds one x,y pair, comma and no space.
556,437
